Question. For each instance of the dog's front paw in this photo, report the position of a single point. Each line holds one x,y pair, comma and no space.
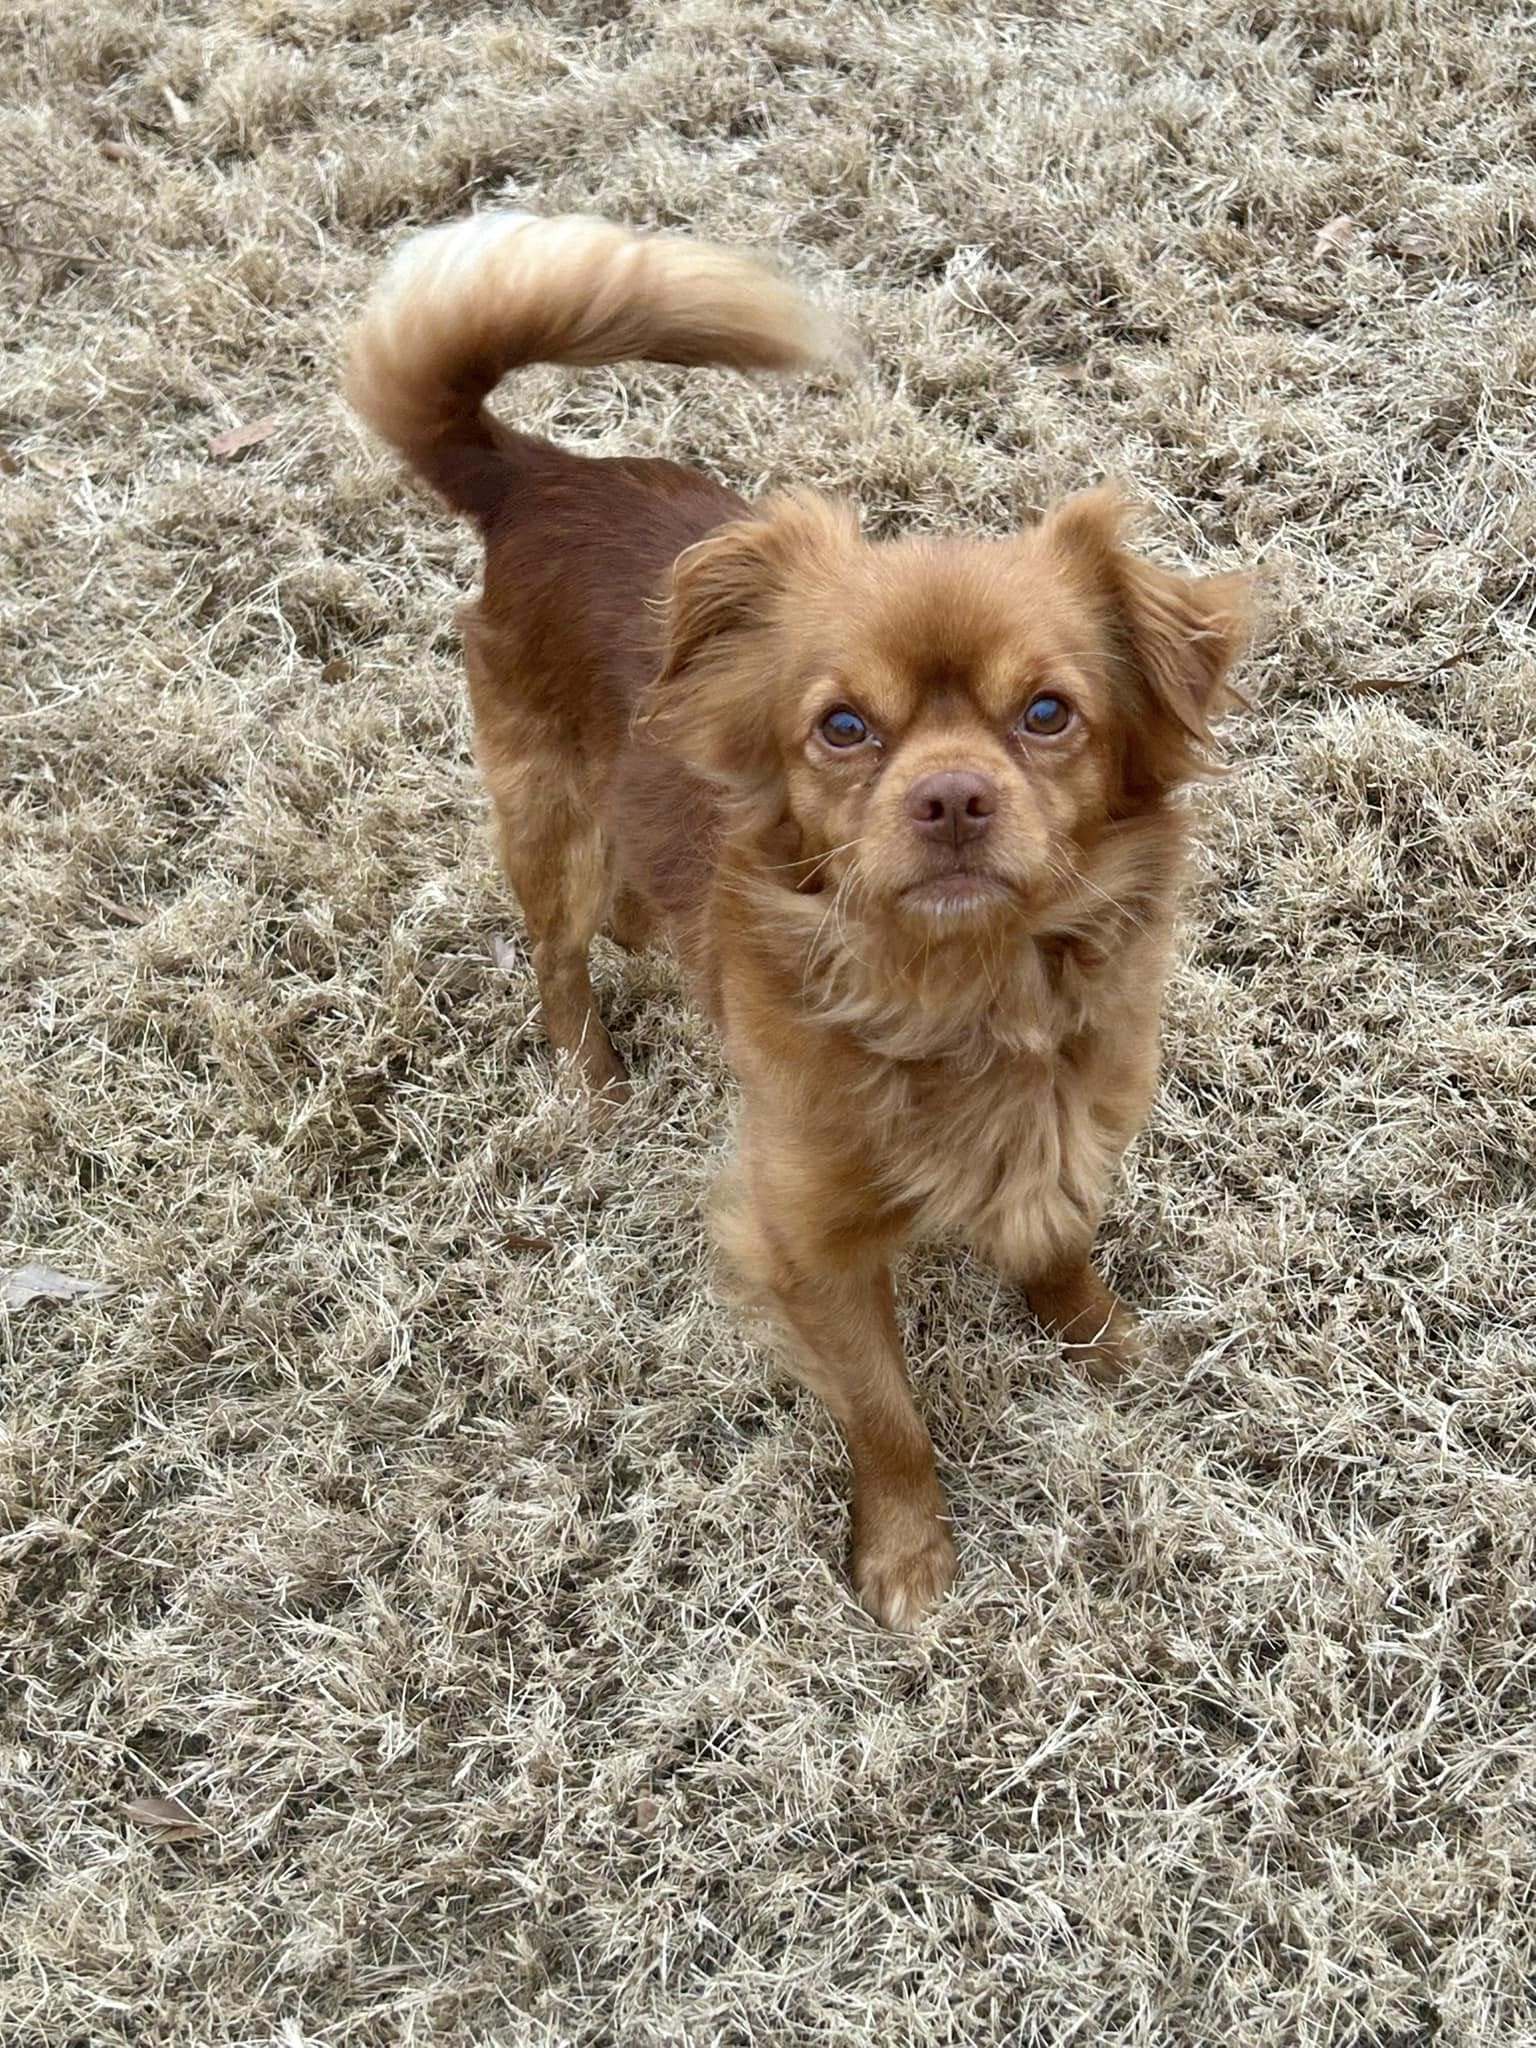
1117,1350
607,1081
903,1564
1098,1332
607,1101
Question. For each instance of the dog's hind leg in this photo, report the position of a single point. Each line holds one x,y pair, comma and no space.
557,859
630,923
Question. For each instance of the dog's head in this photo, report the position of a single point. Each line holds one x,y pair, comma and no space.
948,728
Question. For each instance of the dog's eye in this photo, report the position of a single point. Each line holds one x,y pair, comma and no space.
844,728
1045,716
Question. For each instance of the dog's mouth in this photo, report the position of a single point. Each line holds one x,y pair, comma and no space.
960,894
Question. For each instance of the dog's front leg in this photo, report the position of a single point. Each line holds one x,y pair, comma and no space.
827,1283
843,1323
1045,1245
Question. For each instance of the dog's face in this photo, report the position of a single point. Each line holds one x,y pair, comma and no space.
941,730
951,741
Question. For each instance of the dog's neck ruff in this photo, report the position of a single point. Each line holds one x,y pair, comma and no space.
968,1007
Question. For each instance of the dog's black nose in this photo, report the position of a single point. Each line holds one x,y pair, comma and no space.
956,805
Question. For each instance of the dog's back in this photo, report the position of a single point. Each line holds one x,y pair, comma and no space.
566,633
558,650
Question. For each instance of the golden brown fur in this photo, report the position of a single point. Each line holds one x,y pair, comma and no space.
932,931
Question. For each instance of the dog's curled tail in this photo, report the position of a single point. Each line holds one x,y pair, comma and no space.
461,306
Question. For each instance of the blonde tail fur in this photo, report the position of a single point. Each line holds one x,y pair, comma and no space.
461,306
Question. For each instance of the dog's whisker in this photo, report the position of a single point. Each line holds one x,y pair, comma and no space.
813,860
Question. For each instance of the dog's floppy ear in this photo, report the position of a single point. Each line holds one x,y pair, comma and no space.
1180,634
712,701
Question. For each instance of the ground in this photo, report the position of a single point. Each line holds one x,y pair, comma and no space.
426,1617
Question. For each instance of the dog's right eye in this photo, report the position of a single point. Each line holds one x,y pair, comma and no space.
844,728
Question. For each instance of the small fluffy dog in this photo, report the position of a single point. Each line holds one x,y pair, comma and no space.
906,811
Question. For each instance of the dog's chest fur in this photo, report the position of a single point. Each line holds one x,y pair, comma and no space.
999,1120
1014,1158
986,1097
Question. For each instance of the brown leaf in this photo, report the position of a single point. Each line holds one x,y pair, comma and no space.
646,1814
10,464
1416,238
126,913
1380,686
43,1283
118,152
235,439
1336,238
167,1819
336,670
517,1241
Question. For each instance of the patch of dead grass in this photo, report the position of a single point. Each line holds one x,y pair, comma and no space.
481,1604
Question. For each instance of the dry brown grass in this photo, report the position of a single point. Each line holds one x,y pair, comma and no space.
484,1602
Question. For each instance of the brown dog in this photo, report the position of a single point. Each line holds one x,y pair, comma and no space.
906,811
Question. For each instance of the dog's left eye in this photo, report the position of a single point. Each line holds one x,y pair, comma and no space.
844,728
1045,716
